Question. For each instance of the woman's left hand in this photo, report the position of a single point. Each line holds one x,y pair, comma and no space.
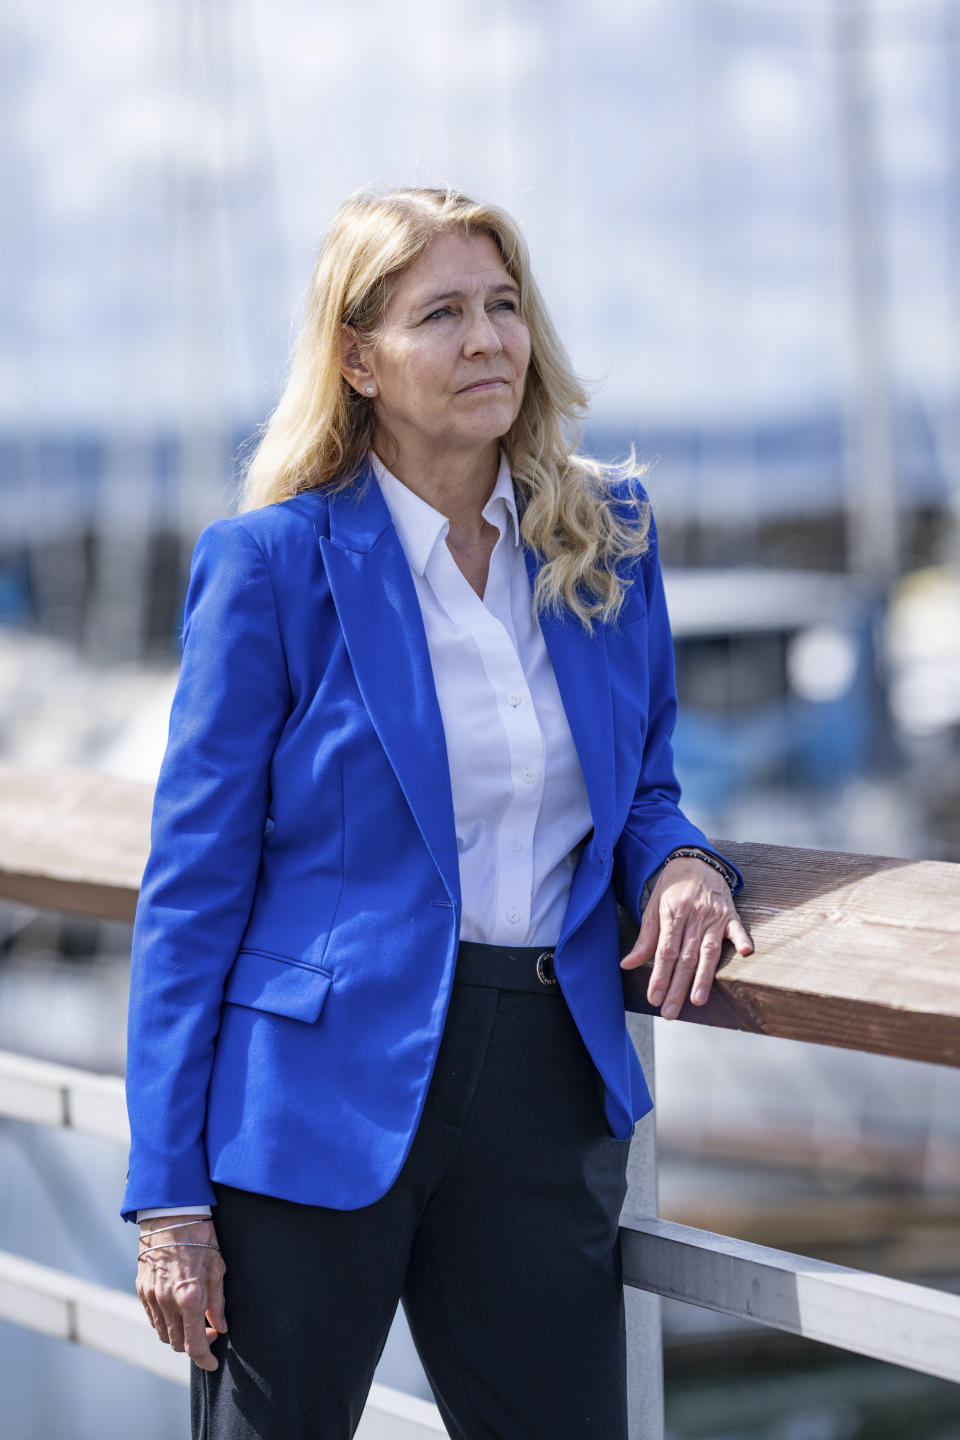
689,915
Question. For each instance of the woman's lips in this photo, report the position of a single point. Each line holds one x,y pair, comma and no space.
482,385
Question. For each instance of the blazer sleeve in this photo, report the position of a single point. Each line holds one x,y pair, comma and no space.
655,824
209,810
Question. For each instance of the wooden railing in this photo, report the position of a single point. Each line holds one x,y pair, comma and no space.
851,950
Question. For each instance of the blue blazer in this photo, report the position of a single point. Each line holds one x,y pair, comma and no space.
298,920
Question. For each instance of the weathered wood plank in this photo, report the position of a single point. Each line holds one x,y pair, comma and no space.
851,950
890,1320
860,951
72,840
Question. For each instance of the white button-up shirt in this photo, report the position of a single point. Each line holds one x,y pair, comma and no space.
519,802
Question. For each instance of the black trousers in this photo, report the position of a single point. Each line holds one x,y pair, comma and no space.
499,1236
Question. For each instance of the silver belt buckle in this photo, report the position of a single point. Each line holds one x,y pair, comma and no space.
545,971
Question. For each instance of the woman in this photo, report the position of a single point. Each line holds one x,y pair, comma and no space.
419,748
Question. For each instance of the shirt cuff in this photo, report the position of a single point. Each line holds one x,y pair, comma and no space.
165,1210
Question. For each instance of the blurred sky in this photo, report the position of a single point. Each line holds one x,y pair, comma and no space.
169,165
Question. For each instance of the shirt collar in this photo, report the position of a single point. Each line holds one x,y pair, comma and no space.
502,497
420,526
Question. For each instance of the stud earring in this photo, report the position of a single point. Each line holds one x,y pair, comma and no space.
369,389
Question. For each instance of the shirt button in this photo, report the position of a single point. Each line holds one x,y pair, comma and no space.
515,700
514,844
529,776
513,916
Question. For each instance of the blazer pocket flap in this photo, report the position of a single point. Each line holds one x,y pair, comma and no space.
281,987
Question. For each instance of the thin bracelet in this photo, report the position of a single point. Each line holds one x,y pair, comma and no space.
179,1245
204,1220
707,859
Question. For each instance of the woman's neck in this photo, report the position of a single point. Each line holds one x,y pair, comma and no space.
457,483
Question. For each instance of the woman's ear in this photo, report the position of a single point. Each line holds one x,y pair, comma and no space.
354,365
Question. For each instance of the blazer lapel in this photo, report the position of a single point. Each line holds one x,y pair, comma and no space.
379,614
581,665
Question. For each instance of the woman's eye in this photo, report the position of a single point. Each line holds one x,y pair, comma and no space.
509,305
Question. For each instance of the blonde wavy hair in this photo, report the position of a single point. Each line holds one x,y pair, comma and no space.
586,520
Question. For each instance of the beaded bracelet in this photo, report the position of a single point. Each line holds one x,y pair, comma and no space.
711,860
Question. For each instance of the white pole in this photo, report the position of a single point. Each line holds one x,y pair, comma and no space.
644,1337
873,522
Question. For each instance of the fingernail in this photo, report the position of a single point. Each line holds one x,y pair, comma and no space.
656,995
700,994
669,1011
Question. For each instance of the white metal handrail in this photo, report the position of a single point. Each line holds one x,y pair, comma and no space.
43,1093
892,1320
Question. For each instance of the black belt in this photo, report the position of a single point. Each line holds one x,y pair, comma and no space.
507,967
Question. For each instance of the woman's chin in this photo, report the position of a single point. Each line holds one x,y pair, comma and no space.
490,423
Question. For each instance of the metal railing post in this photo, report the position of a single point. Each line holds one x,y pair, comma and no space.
644,1338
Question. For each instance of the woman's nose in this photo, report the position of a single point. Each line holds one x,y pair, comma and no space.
482,335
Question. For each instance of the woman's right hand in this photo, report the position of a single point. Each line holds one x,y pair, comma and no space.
181,1288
